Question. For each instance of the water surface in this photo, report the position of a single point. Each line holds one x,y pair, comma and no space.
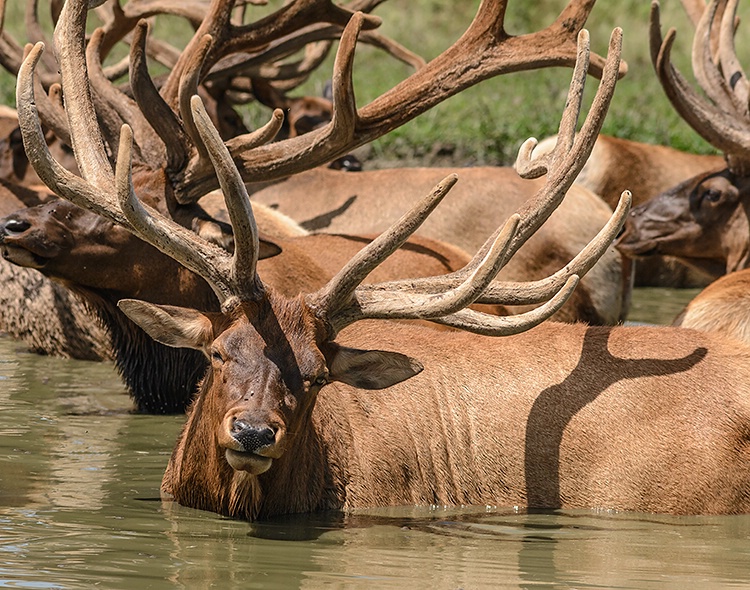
79,508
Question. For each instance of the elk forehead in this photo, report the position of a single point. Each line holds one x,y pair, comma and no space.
272,341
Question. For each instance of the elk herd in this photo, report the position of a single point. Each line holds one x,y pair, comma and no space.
342,338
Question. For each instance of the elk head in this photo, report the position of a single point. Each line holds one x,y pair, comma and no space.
704,221
270,355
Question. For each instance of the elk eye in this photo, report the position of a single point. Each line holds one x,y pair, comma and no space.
320,381
712,196
217,357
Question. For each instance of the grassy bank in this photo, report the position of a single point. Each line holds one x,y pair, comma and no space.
486,124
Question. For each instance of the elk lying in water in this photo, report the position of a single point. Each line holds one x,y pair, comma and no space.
172,182
45,316
702,221
580,417
559,416
369,201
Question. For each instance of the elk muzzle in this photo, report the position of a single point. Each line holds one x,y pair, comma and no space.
13,247
250,445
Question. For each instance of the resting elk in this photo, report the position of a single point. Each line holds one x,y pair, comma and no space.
702,221
174,181
43,315
557,416
368,201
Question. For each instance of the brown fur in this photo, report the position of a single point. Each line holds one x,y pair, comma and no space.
483,198
723,306
562,416
43,314
103,263
702,222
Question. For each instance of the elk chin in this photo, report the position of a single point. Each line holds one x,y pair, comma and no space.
250,462
22,257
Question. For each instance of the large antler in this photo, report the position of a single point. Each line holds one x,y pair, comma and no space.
723,119
344,300
485,50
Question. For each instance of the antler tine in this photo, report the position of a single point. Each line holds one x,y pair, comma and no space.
393,48
232,277
246,242
721,129
522,293
734,75
229,38
113,108
529,167
375,303
87,142
61,181
512,293
338,291
34,31
203,258
440,298
492,325
189,87
705,69
566,163
343,301
316,40
162,119
51,111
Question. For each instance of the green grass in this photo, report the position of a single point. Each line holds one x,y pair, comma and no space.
486,124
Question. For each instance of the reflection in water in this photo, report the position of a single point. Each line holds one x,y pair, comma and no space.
79,481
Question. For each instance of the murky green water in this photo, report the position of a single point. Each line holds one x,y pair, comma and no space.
79,508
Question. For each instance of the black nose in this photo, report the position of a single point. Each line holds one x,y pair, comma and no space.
14,226
253,438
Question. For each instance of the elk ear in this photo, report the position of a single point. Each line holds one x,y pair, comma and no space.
268,249
179,327
369,369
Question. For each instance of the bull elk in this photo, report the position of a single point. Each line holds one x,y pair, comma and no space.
283,422
172,172
646,170
702,221
555,416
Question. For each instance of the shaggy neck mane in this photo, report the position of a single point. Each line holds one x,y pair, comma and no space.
160,379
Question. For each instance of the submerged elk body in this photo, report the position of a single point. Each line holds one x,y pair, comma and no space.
703,221
558,417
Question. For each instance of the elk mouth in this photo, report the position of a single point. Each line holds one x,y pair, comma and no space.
246,461
22,257
650,248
